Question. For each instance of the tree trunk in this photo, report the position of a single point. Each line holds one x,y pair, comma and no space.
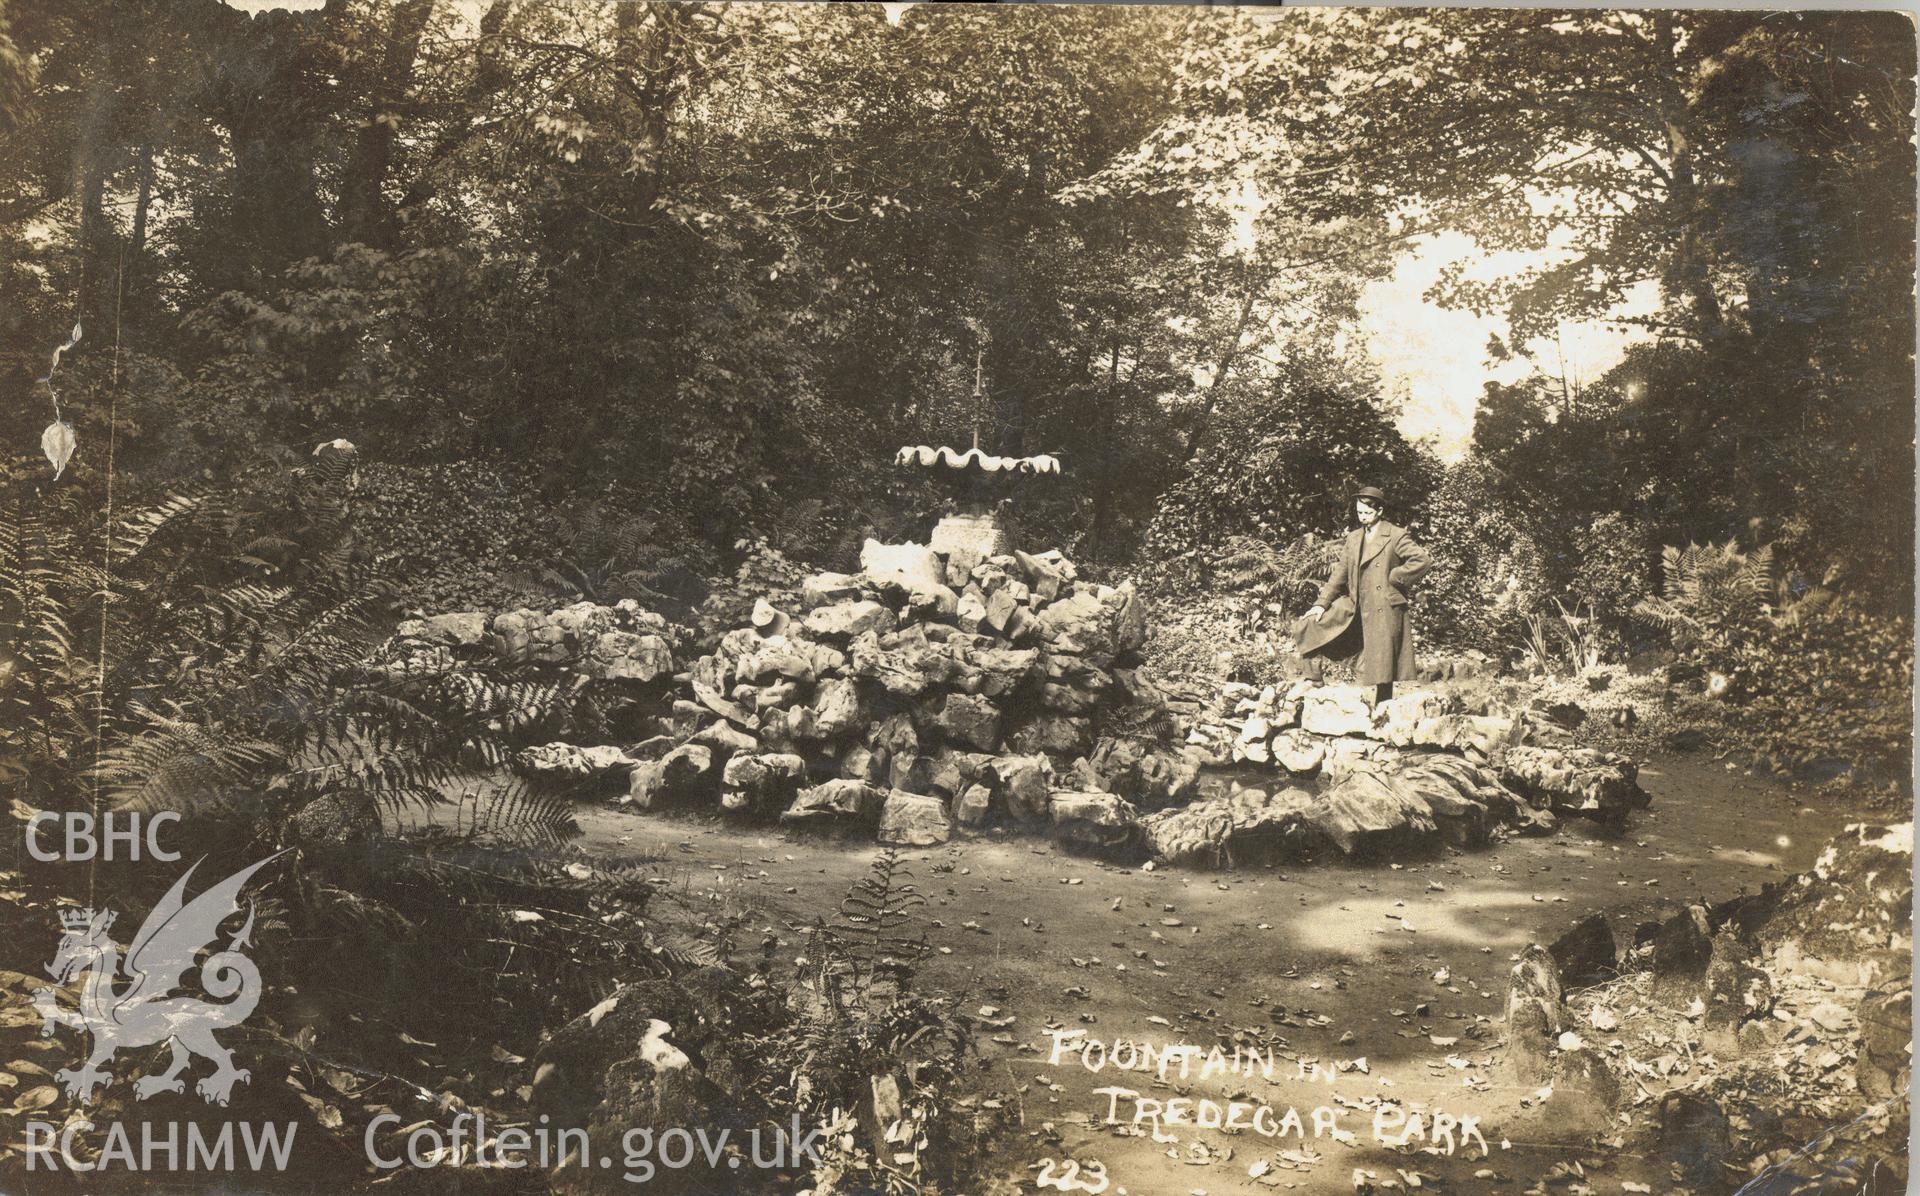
366,216
1687,272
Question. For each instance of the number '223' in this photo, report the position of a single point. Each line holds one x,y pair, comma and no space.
1072,1178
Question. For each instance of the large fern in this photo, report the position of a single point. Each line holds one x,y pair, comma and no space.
1710,591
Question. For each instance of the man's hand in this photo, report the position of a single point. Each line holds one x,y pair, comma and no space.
1316,612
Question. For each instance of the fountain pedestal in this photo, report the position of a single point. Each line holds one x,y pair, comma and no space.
970,532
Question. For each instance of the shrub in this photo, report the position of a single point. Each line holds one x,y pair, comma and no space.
1488,569
1836,684
1281,464
1612,571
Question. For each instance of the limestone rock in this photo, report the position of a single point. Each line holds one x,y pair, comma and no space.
909,566
563,762
1350,753
829,589
1682,949
1001,670
763,773
1585,1088
1367,813
914,820
1064,734
867,765
776,657
1299,752
1534,1018
1696,1132
1076,624
1485,735
627,656
1099,820
549,637
1143,774
685,772
838,708
1885,1059
1022,783
1248,826
1395,719
1856,899
970,720
732,711
928,606
1129,613
767,618
461,629
724,738
848,620
1599,785
1043,575
838,801
1734,991
971,609
1338,710
973,806
1587,953
904,671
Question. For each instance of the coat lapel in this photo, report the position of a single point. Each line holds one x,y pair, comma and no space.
1383,531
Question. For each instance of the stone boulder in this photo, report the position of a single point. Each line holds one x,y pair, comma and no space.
1250,825
914,820
1299,752
829,589
838,802
550,637
1145,775
1885,1059
839,708
1483,735
1102,821
1337,710
1587,953
966,719
1681,949
461,629
685,773
1600,785
1735,992
627,656
1022,784
909,566
564,763
1534,1016
1396,719
974,806
1368,814
762,782
1856,900
652,1056
1059,734
844,621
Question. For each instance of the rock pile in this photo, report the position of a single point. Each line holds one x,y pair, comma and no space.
928,689
558,684
1333,731
1739,1022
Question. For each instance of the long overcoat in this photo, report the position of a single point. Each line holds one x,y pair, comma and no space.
1378,582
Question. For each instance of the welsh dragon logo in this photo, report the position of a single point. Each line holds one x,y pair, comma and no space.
148,1011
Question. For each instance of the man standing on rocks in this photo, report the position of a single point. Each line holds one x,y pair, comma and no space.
1376,565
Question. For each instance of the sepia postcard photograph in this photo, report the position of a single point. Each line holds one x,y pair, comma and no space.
946,599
